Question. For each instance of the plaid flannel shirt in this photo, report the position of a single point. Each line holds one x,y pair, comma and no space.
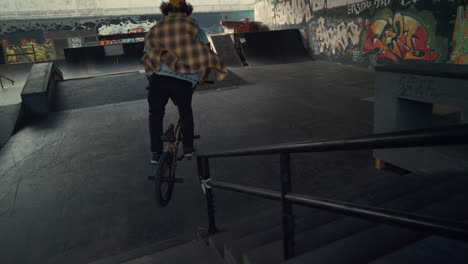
174,42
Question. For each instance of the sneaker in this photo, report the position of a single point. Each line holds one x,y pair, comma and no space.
189,152
155,158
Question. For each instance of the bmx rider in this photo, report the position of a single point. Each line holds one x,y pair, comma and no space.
177,58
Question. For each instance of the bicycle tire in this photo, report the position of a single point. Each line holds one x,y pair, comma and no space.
164,171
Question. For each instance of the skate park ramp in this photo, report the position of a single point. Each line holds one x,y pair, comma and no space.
116,88
273,47
87,92
226,50
93,61
75,189
10,98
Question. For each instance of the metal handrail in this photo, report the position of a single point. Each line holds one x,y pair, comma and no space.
414,138
6,78
449,135
452,229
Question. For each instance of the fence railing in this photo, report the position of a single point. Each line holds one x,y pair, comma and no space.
452,135
6,78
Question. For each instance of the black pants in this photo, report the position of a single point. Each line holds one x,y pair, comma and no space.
161,88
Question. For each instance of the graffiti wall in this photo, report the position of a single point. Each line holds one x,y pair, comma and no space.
23,40
116,25
46,9
375,32
459,54
398,38
334,37
27,48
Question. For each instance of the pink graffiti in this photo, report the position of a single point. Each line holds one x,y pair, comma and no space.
398,39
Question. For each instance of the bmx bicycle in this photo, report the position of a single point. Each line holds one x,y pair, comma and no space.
165,176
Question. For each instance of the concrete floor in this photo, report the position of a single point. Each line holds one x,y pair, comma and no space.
73,187
18,73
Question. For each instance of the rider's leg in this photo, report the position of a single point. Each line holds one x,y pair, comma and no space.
181,92
158,96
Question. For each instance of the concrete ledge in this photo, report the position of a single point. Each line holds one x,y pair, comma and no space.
434,70
405,96
38,89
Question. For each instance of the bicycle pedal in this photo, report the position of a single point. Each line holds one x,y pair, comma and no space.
151,178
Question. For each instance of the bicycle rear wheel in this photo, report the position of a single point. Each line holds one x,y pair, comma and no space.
164,180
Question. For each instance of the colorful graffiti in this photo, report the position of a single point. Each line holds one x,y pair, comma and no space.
372,32
398,38
335,37
459,54
28,51
128,40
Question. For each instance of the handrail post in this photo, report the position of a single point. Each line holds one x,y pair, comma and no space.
204,175
288,216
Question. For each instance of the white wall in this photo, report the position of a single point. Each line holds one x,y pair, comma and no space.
294,11
31,9
334,3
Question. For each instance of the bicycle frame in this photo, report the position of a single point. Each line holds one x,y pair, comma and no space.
173,147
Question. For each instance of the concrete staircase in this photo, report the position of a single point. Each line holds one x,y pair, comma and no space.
323,237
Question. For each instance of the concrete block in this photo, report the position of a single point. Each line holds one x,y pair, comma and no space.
38,89
404,99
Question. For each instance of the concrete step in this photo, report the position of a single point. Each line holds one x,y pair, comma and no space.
194,252
249,225
370,191
380,240
304,241
432,250
146,250
233,250
322,235
259,222
272,217
403,187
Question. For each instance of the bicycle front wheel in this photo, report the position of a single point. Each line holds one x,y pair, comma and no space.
164,180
